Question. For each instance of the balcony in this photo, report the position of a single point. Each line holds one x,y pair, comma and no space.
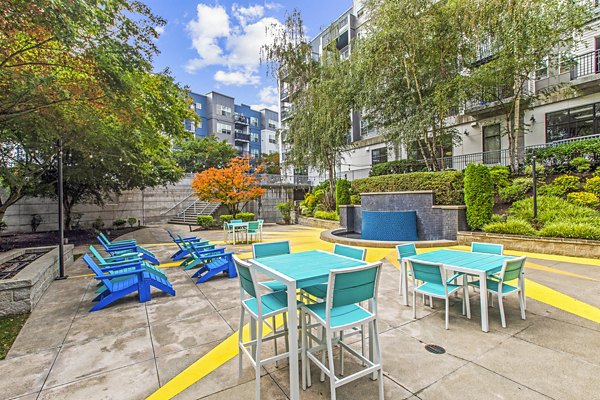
585,70
241,120
242,137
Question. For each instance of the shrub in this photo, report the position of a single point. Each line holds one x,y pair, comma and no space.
479,195
567,183
581,230
581,164
511,226
397,167
540,170
517,190
310,200
119,223
286,212
342,193
131,221
205,221
446,185
318,193
499,175
36,220
245,216
98,224
330,215
592,185
558,157
76,220
226,218
552,209
585,199
355,199
550,190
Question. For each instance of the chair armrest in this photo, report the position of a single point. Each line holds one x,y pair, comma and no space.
118,274
454,277
131,263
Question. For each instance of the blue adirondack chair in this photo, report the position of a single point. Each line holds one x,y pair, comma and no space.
117,250
117,242
182,252
200,258
221,263
119,285
114,264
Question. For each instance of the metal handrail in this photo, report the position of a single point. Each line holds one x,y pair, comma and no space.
192,193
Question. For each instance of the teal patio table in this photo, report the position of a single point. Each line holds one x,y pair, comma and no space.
298,270
238,227
479,264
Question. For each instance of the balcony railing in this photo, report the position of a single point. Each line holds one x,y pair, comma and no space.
244,137
240,119
274,179
586,64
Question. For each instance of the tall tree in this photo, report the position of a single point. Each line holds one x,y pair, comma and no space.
406,66
232,186
511,40
317,131
198,154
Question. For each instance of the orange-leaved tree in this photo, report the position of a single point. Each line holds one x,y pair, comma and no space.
231,186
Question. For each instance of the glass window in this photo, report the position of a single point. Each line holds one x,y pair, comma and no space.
198,106
573,122
272,138
224,128
272,124
254,121
254,152
491,144
254,137
223,110
378,156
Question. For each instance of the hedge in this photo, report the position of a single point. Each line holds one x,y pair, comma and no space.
328,215
559,158
446,185
397,167
342,193
479,195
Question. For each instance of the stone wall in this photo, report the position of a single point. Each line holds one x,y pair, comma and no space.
557,246
266,207
21,293
318,223
433,222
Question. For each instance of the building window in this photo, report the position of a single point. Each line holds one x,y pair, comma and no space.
491,144
224,128
573,122
254,121
542,69
254,152
379,156
223,110
254,137
198,106
272,124
272,138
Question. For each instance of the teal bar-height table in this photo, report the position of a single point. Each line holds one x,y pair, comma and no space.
479,264
298,270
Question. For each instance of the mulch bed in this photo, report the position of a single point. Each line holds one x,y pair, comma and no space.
9,241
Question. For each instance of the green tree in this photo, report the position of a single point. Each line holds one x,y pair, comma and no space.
405,69
479,195
198,154
269,163
509,41
317,131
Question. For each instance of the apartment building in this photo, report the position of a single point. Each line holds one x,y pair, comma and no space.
237,124
565,116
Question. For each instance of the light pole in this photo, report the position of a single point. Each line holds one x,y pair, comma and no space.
61,221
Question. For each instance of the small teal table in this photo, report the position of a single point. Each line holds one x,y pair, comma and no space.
237,227
479,264
298,270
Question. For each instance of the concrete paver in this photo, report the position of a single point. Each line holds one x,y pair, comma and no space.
129,349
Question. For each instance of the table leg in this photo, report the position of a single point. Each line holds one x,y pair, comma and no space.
483,295
404,272
293,341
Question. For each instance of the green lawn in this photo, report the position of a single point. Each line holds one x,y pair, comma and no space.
9,329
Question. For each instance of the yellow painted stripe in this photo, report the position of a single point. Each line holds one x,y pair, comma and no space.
558,271
212,360
561,301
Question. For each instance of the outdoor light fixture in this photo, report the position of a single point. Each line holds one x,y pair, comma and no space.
466,132
532,119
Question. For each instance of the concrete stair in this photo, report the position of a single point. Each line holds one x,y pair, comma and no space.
189,216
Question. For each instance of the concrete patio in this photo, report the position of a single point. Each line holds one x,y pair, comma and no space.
128,350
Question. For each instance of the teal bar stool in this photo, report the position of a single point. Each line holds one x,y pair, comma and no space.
496,284
346,288
433,283
403,251
260,308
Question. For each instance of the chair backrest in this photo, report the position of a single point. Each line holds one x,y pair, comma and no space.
236,221
261,222
512,269
489,248
102,239
246,275
170,234
406,250
260,250
253,225
353,285
106,239
96,269
428,272
358,253
96,254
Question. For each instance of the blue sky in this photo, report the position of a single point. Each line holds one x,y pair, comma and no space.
214,45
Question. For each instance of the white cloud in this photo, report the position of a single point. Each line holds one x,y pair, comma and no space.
159,30
235,46
269,98
237,78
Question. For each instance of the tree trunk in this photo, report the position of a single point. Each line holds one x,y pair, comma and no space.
514,138
13,197
331,171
